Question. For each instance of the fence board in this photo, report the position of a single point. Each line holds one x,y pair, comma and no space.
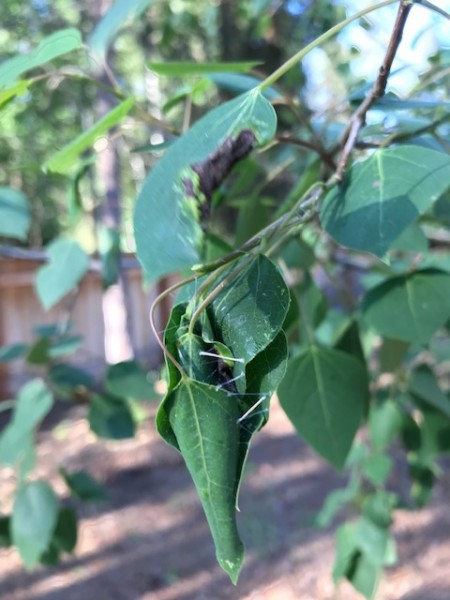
21,312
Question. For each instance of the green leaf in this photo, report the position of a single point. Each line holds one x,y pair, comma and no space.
265,372
332,328
66,531
350,342
175,240
249,312
345,550
435,433
362,549
409,307
33,520
68,263
424,385
378,508
312,306
110,418
65,345
372,540
246,316
253,216
392,354
204,421
236,83
383,195
67,158
84,487
54,45
385,423
334,503
411,433
237,344
412,238
5,534
12,351
423,479
263,375
67,378
324,394
38,353
129,380
15,218
33,404
50,557
17,89
121,13
364,576
180,69
49,330
377,468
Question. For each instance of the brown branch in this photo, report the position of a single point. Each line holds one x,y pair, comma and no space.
289,139
403,136
358,119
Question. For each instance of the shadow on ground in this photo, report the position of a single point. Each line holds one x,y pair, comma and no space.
151,540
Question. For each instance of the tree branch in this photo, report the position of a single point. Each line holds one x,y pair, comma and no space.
358,119
310,145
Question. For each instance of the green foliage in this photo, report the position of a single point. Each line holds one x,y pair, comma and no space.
129,380
68,264
324,394
265,282
66,159
33,404
33,521
14,214
110,417
409,307
384,194
180,69
121,13
84,487
53,46
176,240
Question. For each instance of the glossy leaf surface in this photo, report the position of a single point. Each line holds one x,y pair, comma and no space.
175,240
15,218
324,394
68,263
34,518
383,195
409,307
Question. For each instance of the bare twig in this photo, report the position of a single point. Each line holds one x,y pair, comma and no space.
310,145
358,119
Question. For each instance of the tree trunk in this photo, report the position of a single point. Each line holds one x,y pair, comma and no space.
117,314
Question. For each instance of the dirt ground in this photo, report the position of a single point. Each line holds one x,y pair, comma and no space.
151,542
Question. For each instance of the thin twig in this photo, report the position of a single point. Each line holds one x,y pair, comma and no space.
286,138
358,119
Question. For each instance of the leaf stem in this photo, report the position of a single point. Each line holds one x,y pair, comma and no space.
300,55
219,287
153,307
282,225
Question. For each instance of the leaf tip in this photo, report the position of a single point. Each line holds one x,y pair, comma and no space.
233,567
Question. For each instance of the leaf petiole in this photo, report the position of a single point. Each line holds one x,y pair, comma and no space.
300,55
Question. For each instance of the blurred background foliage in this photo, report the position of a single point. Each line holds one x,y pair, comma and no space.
59,107
67,99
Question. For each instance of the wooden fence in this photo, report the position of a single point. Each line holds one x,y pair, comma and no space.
92,318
